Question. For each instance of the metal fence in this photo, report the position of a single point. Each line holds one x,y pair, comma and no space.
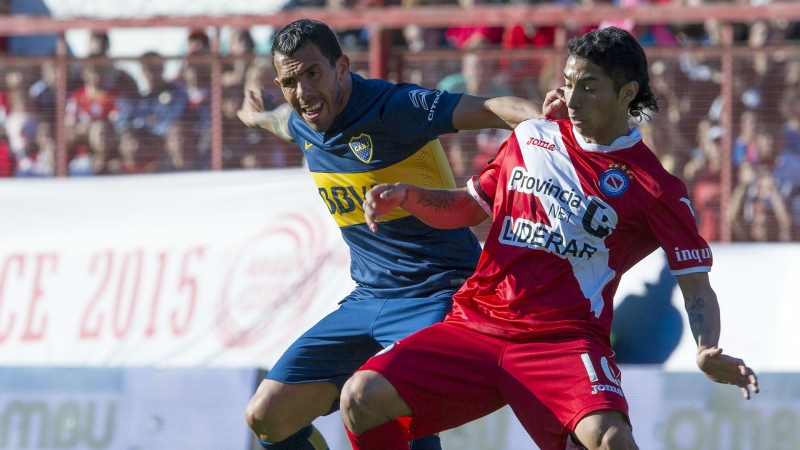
727,78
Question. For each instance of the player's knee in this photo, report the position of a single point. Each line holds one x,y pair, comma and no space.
606,430
264,420
614,438
353,401
367,400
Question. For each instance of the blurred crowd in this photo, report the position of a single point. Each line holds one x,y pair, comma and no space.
134,120
145,119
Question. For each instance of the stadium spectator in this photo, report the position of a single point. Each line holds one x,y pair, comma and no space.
174,158
16,115
531,328
357,132
241,47
473,37
162,105
757,82
40,158
198,43
42,92
87,104
703,174
419,40
673,145
91,152
787,166
523,73
196,117
757,211
128,160
745,146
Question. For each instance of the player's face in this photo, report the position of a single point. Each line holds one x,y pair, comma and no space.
597,110
314,88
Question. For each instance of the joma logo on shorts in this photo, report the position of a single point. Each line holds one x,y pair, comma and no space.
606,387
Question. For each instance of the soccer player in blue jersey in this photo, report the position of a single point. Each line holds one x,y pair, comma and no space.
356,133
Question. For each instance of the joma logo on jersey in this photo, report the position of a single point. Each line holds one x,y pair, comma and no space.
361,146
343,199
540,143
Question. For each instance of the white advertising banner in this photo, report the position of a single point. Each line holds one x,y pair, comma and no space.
219,269
228,268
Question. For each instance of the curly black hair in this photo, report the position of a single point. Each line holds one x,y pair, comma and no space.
622,58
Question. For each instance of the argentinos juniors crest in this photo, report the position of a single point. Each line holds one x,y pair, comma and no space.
361,146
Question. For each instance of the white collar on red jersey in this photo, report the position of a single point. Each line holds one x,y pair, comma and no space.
620,143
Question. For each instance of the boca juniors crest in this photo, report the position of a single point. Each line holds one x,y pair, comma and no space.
361,146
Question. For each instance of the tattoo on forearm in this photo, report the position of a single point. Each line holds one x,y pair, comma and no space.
441,200
695,311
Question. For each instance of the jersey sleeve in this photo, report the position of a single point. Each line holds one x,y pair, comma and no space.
672,220
483,187
414,109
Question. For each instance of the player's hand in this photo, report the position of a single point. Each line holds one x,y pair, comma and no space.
252,111
727,370
380,200
555,105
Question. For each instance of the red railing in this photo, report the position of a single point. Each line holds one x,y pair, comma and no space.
380,56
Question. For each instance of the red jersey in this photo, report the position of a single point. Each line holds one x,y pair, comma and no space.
569,218
84,106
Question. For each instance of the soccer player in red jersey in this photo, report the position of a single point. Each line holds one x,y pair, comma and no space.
575,203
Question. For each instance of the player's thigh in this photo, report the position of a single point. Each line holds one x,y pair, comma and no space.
552,385
402,316
445,374
332,349
605,428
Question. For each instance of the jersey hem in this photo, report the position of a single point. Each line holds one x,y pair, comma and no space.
699,269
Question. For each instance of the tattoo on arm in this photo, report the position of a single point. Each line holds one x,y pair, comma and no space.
695,310
442,200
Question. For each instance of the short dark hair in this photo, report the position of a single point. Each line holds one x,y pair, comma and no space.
304,31
622,58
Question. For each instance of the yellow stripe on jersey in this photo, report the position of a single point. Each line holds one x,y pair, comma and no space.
344,193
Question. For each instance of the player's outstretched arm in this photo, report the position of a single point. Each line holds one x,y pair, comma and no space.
439,208
475,113
253,114
701,304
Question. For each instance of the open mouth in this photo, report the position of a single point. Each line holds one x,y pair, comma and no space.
313,111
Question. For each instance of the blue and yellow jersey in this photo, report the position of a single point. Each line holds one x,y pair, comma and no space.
389,133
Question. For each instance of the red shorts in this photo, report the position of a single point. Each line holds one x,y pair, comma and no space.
450,375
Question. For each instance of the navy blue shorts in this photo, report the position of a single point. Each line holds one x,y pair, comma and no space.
340,343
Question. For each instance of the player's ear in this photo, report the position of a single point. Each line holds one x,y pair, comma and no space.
343,66
628,92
